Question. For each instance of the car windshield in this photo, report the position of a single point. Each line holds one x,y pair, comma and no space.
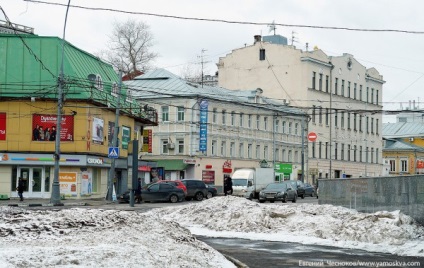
239,182
275,186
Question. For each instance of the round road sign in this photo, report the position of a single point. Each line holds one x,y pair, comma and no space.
312,136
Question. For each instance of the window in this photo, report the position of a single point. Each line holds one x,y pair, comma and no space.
165,146
249,121
265,152
261,54
214,148
342,120
342,151
241,150
165,113
241,119
257,122
372,155
326,83
360,92
348,121
326,116
366,154
326,150
372,95
368,92
354,122
354,153
277,123
320,150
289,156
313,113
403,165
249,150
283,155
354,91
348,152
392,165
214,114
372,125
376,96
290,128
115,89
336,85
335,151
314,74
180,111
313,149
376,126
360,153
283,127
180,146
223,148
265,123
258,152
342,89
320,116
232,148
224,115
277,154
360,123
320,82
335,118
296,127
296,156
348,89
233,118
366,126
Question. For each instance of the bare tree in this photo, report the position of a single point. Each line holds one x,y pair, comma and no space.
129,47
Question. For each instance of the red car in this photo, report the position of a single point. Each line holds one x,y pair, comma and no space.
177,184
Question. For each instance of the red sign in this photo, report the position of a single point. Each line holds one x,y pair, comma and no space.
312,136
226,167
44,127
2,126
208,176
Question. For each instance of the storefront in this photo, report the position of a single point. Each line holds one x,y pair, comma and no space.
79,175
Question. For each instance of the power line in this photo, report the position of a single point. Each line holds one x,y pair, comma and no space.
232,22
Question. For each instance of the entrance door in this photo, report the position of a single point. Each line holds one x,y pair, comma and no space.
34,183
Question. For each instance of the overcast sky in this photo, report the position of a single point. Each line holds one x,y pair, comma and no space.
397,56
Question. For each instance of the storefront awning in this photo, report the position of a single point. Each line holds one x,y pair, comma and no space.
175,164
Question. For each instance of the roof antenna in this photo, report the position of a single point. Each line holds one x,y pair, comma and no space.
272,27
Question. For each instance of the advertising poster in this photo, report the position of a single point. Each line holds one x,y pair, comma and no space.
68,183
2,126
156,174
44,127
126,136
86,183
110,132
203,126
208,176
98,127
147,141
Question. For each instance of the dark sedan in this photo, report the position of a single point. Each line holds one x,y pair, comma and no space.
298,186
158,192
309,190
212,191
277,192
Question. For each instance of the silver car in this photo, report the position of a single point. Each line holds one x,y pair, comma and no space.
278,192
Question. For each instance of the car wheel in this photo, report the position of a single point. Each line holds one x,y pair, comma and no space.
317,196
284,200
302,196
173,198
294,199
199,196
209,195
261,201
272,201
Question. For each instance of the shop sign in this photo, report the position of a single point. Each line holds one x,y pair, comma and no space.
144,168
68,183
189,161
97,161
226,167
2,126
208,176
283,168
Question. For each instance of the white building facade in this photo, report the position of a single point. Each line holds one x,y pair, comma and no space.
342,97
205,133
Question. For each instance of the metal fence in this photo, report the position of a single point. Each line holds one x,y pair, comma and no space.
404,193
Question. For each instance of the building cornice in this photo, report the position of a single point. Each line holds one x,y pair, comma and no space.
316,61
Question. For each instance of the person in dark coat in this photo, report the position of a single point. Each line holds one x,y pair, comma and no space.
138,192
21,188
228,185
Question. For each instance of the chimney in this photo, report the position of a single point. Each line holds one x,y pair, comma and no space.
257,38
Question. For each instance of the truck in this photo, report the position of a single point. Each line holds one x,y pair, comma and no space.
248,182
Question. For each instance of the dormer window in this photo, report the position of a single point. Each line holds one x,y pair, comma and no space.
129,98
98,83
115,89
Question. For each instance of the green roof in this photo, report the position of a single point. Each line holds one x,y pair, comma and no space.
30,67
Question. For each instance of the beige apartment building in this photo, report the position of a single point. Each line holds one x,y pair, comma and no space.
341,96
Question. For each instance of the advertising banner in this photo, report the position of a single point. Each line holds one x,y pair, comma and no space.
98,127
147,141
2,126
126,136
86,183
203,126
110,132
208,176
44,127
68,183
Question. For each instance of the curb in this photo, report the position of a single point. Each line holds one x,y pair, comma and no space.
47,205
236,262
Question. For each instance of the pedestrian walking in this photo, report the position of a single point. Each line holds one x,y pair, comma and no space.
21,188
228,185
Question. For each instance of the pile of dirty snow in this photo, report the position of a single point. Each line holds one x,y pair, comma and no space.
98,238
231,216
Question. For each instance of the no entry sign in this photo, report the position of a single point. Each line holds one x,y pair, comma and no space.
312,136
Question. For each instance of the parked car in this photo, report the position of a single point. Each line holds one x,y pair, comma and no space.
176,183
195,189
309,190
157,192
278,192
212,191
298,186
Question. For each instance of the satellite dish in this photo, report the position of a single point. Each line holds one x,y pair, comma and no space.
272,27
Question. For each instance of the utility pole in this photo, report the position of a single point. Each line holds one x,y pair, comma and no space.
55,197
109,196
303,148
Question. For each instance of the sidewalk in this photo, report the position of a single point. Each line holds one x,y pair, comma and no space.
39,202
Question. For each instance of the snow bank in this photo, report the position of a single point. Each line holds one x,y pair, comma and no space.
98,238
